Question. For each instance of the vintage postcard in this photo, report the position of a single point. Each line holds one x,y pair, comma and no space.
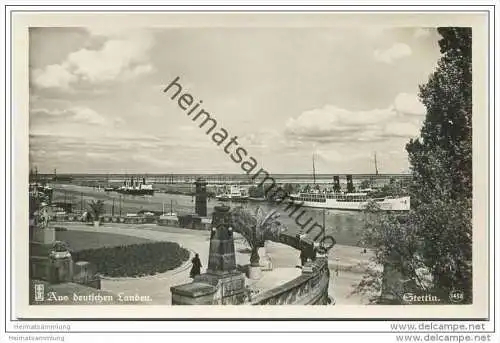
228,165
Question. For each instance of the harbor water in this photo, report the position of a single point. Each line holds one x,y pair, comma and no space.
344,226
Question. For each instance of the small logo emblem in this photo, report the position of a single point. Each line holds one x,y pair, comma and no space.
39,292
456,296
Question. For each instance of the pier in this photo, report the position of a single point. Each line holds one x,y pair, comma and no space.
218,179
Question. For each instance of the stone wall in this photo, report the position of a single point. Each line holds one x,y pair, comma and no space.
59,267
310,288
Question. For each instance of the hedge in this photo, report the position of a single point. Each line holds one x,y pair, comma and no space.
134,260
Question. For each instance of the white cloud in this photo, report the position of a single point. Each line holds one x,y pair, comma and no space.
421,32
77,114
263,138
396,51
333,124
118,59
53,76
87,115
402,129
328,155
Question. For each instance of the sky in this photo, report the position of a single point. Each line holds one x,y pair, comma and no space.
97,103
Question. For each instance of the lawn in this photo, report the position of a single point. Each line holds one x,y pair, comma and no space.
118,255
80,240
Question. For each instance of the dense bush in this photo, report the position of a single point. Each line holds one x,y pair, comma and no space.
135,259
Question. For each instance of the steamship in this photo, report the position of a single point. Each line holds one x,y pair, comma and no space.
134,187
350,201
353,201
235,194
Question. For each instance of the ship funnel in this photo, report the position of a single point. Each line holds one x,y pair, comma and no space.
143,180
350,185
336,183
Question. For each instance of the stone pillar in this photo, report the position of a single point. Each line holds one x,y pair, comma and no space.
222,258
60,267
392,281
45,235
222,283
201,197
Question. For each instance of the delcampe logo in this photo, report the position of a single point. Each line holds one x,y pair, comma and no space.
39,292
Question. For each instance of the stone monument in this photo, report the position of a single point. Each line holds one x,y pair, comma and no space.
222,283
42,232
60,263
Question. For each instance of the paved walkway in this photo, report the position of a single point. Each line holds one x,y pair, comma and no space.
158,286
347,260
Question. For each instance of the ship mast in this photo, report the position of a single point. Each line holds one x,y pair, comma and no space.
314,172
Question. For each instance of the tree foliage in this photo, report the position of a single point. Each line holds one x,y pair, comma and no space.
396,245
288,188
256,227
436,235
256,191
96,208
393,188
441,164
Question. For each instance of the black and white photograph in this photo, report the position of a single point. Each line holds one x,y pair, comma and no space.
249,162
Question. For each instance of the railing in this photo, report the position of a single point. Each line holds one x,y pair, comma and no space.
106,219
310,288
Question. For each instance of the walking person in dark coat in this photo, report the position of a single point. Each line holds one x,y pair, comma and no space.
303,257
196,269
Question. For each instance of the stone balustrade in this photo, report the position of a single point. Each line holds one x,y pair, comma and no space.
310,288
